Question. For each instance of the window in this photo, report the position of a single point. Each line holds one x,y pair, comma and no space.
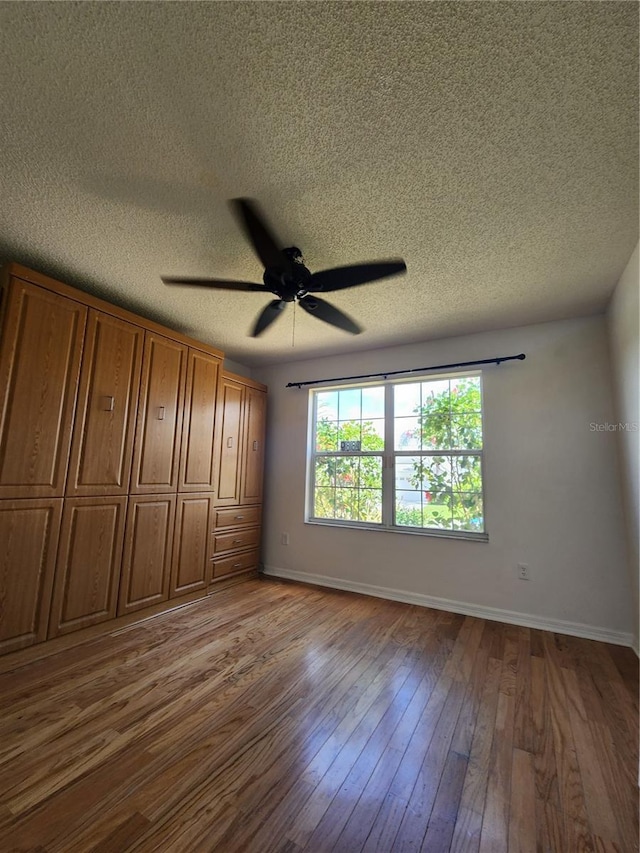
404,455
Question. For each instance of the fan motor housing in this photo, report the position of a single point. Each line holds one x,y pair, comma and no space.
289,285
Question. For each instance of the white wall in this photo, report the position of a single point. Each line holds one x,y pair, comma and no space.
624,324
552,492
236,367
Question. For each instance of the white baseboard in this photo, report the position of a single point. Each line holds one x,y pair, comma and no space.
512,617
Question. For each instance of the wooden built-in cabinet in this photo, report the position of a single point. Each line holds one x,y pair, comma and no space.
255,402
29,535
42,341
198,459
146,564
88,566
236,526
157,446
240,516
236,541
225,541
240,435
234,564
192,546
107,405
130,464
229,438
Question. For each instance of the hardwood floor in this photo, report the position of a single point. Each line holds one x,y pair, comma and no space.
280,717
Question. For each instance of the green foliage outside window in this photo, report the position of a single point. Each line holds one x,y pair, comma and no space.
451,485
432,490
348,487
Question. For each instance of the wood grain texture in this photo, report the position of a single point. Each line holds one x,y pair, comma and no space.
281,718
88,565
191,544
29,532
255,413
197,457
243,561
146,563
42,335
240,440
240,516
239,539
159,421
101,450
229,441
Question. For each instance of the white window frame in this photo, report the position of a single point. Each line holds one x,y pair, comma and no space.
389,456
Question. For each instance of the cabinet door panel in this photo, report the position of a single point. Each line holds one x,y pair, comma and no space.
146,565
229,438
29,536
88,569
197,469
105,420
157,446
191,544
39,366
253,456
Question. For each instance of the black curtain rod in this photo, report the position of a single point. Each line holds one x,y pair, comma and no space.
386,375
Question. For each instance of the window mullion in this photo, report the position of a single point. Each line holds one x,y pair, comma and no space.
388,470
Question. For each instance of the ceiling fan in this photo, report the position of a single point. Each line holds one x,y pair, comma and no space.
286,276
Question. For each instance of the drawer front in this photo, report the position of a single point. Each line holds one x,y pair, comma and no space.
238,563
241,516
234,541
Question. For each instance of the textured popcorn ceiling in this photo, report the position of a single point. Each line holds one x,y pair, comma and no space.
493,146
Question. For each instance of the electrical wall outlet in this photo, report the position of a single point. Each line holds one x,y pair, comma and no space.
523,572
285,538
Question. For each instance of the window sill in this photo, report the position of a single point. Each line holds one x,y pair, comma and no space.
409,531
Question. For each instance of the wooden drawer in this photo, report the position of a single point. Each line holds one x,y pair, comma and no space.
240,516
242,562
235,541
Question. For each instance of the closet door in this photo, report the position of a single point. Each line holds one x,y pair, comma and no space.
40,355
88,566
192,543
107,402
229,442
146,564
255,408
29,536
157,445
197,468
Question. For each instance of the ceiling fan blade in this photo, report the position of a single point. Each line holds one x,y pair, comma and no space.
259,235
329,313
340,278
267,316
219,283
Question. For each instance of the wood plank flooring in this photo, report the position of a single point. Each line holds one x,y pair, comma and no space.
286,718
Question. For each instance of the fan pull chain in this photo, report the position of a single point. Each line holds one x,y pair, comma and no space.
293,326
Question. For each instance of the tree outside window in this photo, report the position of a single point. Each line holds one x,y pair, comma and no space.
433,434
